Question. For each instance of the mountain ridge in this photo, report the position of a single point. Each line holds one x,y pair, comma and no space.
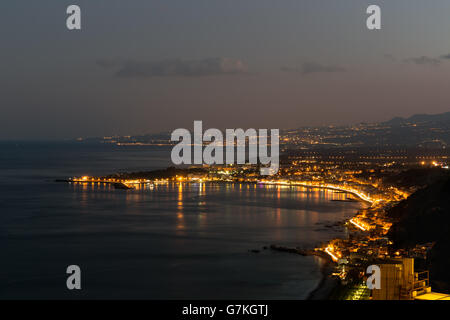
420,117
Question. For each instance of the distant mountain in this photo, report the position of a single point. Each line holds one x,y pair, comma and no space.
418,131
421,118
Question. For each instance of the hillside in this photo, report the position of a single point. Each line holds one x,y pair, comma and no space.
421,118
425,217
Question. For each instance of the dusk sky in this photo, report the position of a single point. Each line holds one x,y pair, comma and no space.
148,66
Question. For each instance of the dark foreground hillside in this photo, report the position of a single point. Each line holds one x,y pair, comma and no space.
425,217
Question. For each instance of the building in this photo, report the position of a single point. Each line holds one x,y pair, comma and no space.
400,282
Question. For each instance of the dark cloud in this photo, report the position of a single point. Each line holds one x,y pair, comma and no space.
389,57
175,67
313,67
424,60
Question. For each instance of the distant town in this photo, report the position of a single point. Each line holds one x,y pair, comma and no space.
419,131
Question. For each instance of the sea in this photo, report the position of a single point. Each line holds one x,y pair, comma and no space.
167,241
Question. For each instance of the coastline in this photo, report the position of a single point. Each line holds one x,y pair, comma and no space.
326,285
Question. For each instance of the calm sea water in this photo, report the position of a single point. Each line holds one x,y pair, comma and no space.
174,241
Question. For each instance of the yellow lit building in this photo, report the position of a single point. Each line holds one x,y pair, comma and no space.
400,282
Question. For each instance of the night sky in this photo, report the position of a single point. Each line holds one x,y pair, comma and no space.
148,66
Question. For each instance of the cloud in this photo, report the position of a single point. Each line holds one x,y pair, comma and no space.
389,57
175,67
313,67
424,61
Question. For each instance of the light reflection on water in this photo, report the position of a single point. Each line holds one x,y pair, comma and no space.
265,206
176,240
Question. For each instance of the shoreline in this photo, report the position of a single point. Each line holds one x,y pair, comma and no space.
326,285
358,197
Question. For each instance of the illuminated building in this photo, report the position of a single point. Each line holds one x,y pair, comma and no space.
400,282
